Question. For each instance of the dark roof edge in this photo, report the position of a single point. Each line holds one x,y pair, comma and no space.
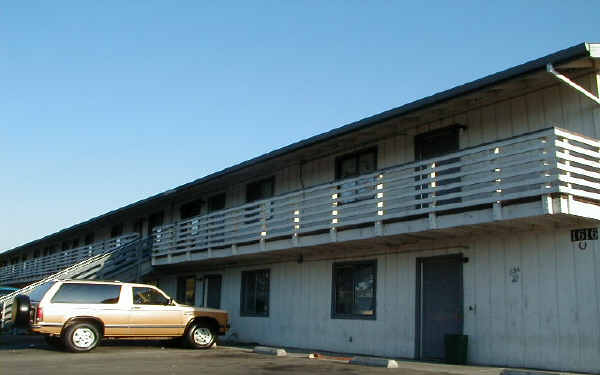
562,56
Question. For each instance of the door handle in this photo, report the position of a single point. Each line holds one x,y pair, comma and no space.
136,308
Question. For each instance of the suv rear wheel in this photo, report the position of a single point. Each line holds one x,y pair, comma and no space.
81,337
200,336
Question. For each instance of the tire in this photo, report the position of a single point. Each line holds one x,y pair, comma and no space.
21,311
81,337
55,342
200,336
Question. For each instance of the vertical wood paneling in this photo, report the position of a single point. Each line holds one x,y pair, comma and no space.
488,124
474,131
548,302
519,115
569,346
531,335
513,293
553,107
534,105
548,318
498,333
503,120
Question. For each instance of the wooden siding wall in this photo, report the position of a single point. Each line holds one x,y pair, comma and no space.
549,318
556,105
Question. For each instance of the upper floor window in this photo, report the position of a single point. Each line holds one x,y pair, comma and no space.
216,202
155,220
65,246
261,189
138,226
116,230
75,243
190,209
89,239
356,163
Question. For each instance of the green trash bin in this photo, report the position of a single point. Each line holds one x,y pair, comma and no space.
456,349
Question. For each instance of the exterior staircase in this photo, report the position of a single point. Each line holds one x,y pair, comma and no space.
128,262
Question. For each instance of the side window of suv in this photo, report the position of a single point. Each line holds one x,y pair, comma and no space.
87,293
148,296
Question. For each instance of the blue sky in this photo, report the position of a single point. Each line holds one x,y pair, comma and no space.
103,103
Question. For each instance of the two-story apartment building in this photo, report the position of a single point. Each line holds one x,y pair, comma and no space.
471,211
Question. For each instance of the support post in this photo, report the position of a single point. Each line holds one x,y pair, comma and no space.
432,220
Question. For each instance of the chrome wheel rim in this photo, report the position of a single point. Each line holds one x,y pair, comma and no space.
83,337
202,336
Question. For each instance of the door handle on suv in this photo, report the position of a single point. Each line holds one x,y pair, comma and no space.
136,308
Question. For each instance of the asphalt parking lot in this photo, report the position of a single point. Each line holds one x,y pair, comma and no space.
30,355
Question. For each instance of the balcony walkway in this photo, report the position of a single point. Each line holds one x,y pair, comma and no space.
548,172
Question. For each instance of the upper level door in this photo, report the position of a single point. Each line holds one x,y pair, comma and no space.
434,145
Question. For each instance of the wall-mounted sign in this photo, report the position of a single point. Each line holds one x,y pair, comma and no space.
587,234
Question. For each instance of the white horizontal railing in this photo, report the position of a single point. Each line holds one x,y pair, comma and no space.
34,269
117,261
548,161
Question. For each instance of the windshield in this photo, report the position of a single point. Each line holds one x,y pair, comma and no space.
37,293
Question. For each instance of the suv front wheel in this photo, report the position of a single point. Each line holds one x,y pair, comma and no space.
81,337
200,336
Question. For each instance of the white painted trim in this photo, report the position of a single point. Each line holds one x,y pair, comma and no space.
566,80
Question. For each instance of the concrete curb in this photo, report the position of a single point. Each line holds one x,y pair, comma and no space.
376,362
270,351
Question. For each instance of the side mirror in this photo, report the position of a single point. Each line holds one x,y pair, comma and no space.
170,303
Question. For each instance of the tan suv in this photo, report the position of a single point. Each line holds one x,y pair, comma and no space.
76,314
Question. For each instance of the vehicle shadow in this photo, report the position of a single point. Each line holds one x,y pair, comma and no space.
21,342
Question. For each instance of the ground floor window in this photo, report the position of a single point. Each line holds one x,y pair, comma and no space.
354,290
255,293
186,290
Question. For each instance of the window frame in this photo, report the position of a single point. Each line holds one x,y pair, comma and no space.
182,282
269,180
91,285
210,202
334,315
354,155
147,304
89,239
191,209
243,311
116,230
